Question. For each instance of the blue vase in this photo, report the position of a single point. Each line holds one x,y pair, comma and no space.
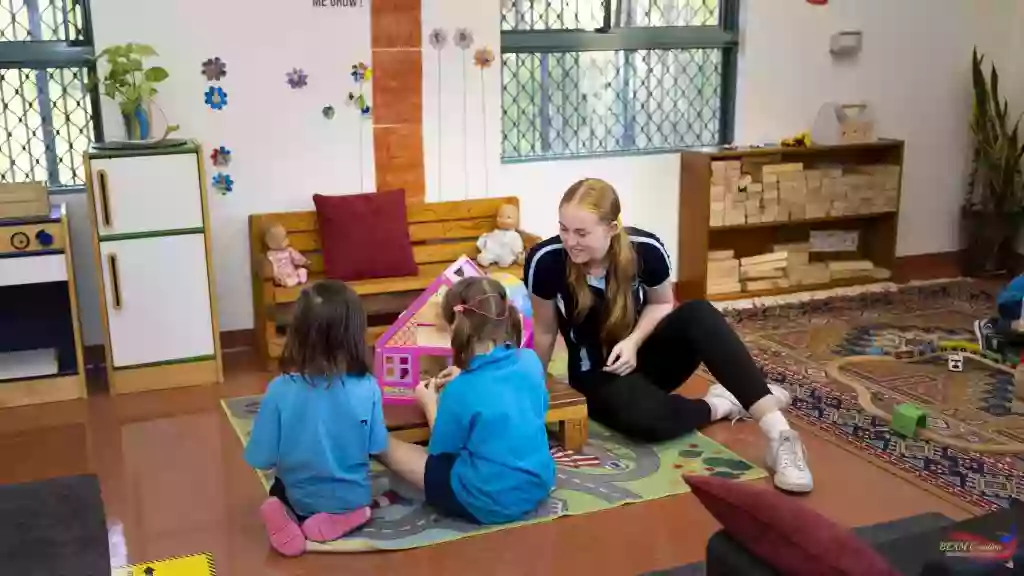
137,125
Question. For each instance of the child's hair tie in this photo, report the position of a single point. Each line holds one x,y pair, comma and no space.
461,308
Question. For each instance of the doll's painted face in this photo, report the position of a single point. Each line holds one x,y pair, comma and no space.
508,217
277,237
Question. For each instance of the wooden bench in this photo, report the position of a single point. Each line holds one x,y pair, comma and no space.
566,408
440,232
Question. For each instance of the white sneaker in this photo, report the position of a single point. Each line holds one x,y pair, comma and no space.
787,458
736,411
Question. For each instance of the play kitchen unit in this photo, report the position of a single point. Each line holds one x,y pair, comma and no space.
152,247
40,339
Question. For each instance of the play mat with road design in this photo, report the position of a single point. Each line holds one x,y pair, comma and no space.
612,471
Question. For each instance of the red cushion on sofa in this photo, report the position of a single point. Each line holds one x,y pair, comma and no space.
365,235
784,533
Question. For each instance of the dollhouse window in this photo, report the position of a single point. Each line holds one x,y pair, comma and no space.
398,368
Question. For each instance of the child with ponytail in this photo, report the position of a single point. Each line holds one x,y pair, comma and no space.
488,460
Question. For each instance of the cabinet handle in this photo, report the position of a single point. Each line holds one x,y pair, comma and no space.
115,280
101,175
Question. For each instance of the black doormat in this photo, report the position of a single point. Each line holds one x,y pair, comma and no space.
53,527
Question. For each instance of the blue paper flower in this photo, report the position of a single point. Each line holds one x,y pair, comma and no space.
223,182
216,97
297,78
221,156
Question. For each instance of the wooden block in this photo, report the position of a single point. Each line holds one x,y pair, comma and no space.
816,209
724,267
726,288
735,217
769,284
23,192
764,258
797,211
770,213
759,273
881,273
755,187
836,265
717,193
782,168
769,178
24,209
716,218
721,255
752,207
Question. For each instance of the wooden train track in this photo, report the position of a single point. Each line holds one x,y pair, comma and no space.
834,370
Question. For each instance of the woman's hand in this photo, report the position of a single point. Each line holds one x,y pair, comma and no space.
446,376
622,359
426,394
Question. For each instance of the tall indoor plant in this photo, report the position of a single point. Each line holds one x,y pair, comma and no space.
994,205
128,82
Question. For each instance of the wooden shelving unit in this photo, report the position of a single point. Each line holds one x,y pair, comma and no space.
877,230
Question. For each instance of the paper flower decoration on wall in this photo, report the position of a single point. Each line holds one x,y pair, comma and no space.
216,98
361,72
223,182
483,57
463,38
297,78
438,38
359,101
328,112
214,69
221,156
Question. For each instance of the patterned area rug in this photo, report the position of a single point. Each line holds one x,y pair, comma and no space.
611,471
795,343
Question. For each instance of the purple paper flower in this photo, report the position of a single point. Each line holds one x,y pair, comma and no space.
297,78
438,38
463,38
214,69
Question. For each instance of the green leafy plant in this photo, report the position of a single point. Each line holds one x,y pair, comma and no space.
994,205
129,82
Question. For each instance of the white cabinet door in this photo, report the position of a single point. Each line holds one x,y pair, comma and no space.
146,193
158,299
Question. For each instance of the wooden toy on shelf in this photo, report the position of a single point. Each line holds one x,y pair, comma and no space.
151,241
40,336
749,202
400,353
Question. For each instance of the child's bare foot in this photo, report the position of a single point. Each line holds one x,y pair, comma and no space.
282,530
324,527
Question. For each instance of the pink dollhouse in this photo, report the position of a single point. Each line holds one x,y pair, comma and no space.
418,334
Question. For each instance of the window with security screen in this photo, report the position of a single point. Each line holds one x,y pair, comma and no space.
46,120
586,77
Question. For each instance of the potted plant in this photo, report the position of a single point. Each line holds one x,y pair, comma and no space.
133,86
993,208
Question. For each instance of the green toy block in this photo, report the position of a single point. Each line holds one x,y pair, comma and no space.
907,418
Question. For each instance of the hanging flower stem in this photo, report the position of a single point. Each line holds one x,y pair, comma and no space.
483,125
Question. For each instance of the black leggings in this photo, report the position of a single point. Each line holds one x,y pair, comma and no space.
641,404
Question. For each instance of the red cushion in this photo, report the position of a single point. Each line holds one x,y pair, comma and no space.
365,235
784,533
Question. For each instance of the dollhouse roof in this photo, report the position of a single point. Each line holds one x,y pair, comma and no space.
415,327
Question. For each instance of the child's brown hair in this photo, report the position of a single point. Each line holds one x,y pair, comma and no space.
478,311
328,333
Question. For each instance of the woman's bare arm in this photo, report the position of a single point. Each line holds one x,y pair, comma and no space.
659,303
545,328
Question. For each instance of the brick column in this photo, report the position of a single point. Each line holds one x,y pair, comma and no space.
398,96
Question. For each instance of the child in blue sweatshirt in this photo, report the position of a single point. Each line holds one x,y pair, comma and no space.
488,459
318,424
1003,334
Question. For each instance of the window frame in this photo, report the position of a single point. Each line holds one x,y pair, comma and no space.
612,36
38,55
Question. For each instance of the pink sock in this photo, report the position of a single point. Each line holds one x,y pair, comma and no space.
282,530
324,527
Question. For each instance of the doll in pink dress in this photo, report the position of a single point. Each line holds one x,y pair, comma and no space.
287,262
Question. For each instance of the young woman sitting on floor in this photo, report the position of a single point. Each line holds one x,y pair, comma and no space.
606,288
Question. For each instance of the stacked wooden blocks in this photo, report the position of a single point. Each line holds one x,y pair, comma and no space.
23,200
723,273
780,192
785,266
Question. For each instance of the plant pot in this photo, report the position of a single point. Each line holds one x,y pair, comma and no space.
137,124
988,239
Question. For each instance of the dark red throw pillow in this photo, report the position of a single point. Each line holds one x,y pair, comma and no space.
365,235
790,537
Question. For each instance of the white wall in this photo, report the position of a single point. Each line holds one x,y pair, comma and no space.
284,150
914,70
